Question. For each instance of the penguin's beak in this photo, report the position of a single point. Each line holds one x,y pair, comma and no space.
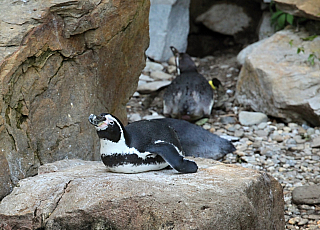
212,85
96,120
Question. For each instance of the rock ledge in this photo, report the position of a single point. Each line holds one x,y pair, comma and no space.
85,196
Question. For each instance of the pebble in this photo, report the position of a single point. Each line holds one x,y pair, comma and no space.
252,118
152,86
152,66
159,75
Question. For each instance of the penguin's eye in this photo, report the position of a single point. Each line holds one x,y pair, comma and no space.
111,122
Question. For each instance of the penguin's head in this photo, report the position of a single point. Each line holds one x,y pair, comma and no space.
215,83
107,126
184,63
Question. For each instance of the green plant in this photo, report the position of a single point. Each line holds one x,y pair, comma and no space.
310,38
280,19
311,57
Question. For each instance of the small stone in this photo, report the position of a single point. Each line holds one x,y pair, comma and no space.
287,129
239,133
152,66
152,86
135,117
262,133
314,217
292,221
171,69
277,138
159,75
172,61
252,118
299,139
227,120
306,194
136,94
303,222
146,78
150,117
310,131
315,142
262,125
224,67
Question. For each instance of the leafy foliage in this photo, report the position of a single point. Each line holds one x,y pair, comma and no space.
280,19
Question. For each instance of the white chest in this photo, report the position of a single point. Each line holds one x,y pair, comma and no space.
109,148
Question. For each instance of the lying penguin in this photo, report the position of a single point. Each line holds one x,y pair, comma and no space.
140,146
154,144
189,96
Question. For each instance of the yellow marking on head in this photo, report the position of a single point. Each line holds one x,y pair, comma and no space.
213,87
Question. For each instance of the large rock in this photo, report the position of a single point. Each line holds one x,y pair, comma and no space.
61,60
279,82
241,22
301,8
85,196
169,26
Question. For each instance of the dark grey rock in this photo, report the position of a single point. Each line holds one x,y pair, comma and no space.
306,195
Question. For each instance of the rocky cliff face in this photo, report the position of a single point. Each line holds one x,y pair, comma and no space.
59,62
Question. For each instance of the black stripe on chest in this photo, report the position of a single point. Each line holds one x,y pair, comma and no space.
116,159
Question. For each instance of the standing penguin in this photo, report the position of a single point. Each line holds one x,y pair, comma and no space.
189,96
140,146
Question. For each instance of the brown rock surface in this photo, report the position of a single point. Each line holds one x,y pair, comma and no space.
60,61
85,196
302,8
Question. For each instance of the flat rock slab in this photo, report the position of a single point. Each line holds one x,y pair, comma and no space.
86,196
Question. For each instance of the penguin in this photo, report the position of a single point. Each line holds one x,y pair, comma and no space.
141,146
189,96
198,142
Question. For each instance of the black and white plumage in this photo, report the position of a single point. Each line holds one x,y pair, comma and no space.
189,96
140,146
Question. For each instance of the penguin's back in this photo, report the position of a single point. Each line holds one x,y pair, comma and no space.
188,94
199,142
144,133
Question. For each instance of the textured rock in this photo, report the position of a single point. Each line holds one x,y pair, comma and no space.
61,60
306,194
241,22
88,197
301,8
279,82
169,26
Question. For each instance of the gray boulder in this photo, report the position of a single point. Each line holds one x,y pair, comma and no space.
236,18
279,82
85,196
169,26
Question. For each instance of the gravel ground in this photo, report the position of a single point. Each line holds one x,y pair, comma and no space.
288,152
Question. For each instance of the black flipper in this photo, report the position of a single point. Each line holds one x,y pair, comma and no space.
169,153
